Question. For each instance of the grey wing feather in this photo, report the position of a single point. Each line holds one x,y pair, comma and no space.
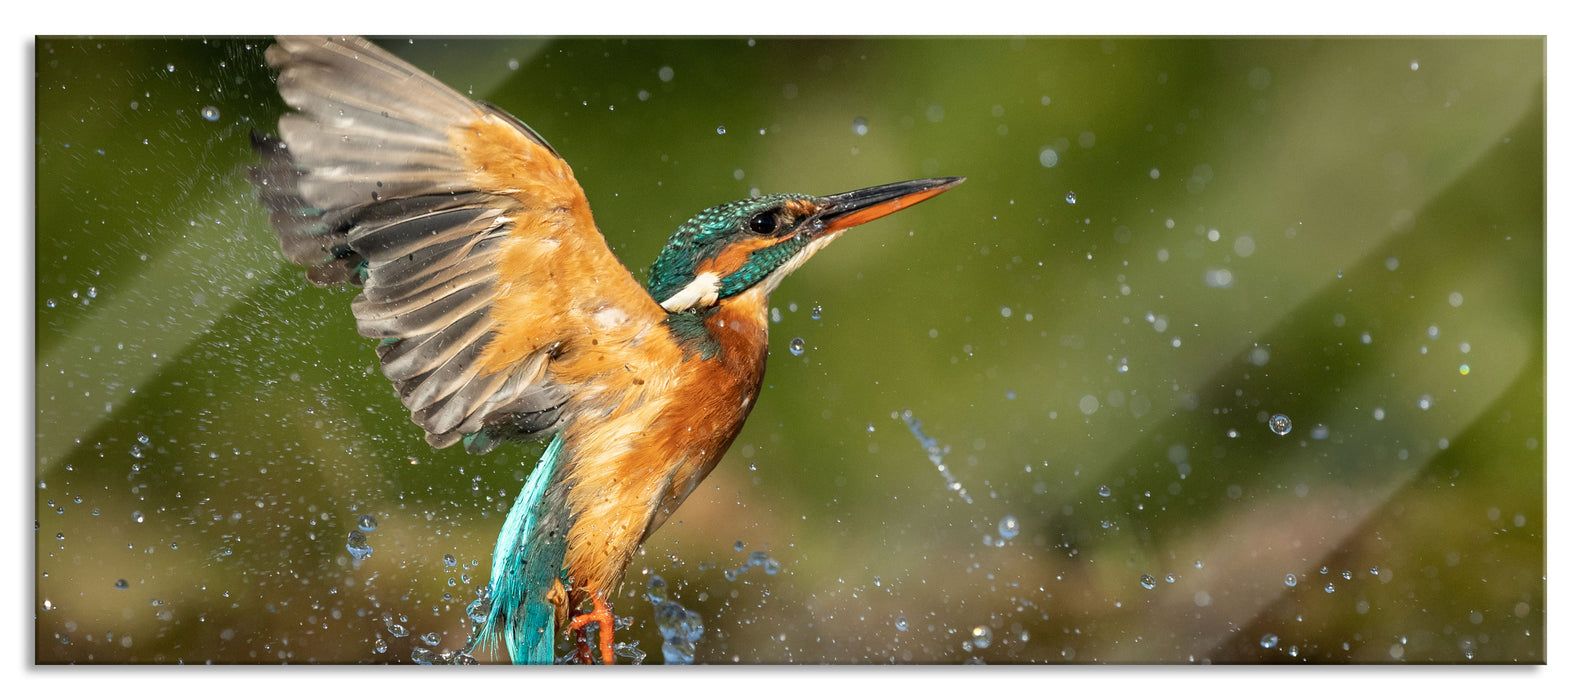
364,187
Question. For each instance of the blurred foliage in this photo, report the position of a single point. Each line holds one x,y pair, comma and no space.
1346,232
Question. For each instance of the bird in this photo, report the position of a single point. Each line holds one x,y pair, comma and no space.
501,315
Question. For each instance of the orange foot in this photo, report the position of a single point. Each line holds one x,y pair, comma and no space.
602,615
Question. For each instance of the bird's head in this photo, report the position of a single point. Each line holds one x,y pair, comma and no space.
754,243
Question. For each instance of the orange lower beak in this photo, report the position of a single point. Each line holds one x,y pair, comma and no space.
848,209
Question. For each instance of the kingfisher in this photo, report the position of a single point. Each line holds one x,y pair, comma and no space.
501,314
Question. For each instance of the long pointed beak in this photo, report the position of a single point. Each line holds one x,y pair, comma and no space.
848,209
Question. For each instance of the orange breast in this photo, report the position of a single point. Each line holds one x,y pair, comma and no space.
631,469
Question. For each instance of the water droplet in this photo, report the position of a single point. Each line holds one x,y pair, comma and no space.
1280,424
1148,582
366,523
798,346
394,626
1269,641
859,126
1104,491
431,639
357,545
1009,527
981,637
120,584
137,516
1425,401
720,130
1071,198
1329,587
477,611
900,623
817,312
450,560
381,646
211,113
1290,580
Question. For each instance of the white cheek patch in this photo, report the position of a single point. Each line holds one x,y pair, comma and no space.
802,256
702,291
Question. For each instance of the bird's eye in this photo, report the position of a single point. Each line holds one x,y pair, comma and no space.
763,223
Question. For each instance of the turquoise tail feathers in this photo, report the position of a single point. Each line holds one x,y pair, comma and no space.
526,566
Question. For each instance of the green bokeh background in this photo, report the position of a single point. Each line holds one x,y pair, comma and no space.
1348,232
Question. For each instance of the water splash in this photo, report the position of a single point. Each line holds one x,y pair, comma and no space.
757,558
679,627
936,454
431,657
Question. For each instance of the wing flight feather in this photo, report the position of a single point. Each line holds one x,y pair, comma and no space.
494,296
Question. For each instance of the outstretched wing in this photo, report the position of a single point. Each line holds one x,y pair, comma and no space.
482,273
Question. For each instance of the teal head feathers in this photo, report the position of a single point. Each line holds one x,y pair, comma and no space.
754,243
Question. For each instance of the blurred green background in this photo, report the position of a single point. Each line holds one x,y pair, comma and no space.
1161,246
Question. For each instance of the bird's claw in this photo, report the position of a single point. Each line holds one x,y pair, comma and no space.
606,619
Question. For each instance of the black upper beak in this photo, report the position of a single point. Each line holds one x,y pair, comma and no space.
848,209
